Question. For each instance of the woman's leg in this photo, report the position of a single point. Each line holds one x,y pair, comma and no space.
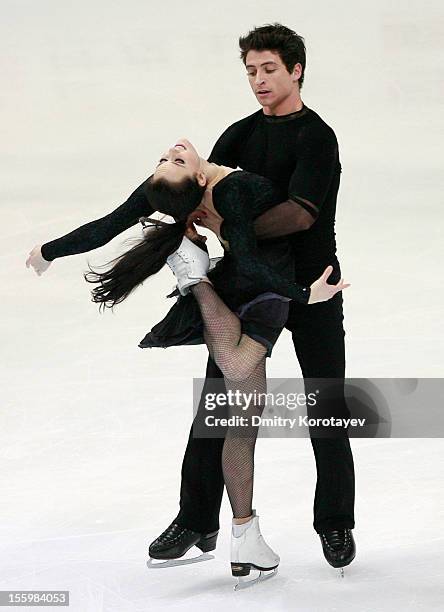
242,361
240,440
236,354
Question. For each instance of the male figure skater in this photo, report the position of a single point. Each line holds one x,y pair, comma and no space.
290,144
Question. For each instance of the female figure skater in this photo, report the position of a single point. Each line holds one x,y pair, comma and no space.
239,308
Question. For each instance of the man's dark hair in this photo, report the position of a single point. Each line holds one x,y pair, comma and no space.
276,37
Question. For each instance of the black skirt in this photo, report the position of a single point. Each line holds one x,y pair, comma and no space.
262,318
262,315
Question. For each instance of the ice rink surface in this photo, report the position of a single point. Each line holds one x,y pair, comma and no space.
93,429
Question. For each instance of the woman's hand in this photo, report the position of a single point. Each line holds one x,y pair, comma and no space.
321,291
37,261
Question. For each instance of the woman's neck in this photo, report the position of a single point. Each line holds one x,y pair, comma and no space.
214,172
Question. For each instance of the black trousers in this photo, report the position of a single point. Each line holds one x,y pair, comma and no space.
318,337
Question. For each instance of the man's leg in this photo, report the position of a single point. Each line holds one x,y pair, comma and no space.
202,478
318,336
201,490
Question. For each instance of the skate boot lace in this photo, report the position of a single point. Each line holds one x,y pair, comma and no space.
336,539
172,534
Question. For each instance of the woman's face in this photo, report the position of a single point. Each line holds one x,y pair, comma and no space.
178,162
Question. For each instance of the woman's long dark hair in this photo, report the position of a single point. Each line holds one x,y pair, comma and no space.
148,255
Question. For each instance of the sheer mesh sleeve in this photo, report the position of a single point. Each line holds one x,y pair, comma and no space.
97,233
231,201
285,218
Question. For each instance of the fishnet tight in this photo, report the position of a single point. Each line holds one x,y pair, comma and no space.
242,361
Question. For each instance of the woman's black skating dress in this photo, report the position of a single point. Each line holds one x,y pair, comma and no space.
255,279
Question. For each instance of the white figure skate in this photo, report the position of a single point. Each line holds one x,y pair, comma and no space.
189,264
251,552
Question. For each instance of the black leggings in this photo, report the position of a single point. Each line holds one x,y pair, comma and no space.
318,337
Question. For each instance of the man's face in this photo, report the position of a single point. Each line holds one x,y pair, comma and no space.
269,78
178,162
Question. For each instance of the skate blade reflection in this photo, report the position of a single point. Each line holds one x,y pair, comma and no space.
158,563
244,582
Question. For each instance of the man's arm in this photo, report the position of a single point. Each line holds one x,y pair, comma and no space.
309,184
228,147
225,151
97,233
288,217
237,229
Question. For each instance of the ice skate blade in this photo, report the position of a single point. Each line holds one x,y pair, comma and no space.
245,583
159,563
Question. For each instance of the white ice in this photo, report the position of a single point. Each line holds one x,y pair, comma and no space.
93,429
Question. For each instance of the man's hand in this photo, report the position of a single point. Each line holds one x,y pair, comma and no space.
192,233
321,291
209,217
37,261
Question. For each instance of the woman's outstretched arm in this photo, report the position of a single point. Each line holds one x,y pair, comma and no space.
93,234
